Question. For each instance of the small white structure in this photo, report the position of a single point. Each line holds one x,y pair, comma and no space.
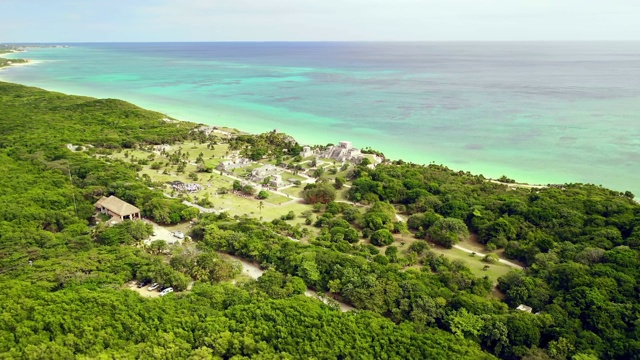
276,181
259,174
345,144
229,165
306,152
208,130
343,152
525,308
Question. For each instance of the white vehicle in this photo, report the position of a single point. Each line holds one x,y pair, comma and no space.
178,234
166,291
154,286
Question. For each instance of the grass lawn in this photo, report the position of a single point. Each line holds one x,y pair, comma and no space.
157,175
275,205
238,205
474,263
194,149
138,154
212,163
276,199
293,191
472,243
286,176
342,194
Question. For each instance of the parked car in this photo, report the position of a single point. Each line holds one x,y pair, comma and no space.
144,283
154,286
166,291
178,234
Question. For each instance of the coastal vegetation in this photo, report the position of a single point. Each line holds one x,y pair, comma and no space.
8,49
389,240
8,62
61,276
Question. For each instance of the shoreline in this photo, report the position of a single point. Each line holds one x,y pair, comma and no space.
520,181
18,64
259,120
27,62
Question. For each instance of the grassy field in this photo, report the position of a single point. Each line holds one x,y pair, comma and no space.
277,199
286,176
295,191
475,263
276,206
472,243
341,194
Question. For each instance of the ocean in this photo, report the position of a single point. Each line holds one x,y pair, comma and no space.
535,112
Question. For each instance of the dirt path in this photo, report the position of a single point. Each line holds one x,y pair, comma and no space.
259,186
507,262
161,233
248,268
327,300
254,272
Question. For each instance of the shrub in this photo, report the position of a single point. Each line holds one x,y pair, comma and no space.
322,193
381,237
490,258
418,247
381,259
448,231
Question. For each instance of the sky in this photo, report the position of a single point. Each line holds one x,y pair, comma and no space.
318,20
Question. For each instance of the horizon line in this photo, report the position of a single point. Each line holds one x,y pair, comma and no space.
315,41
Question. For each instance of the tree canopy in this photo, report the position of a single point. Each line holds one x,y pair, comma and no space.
62,275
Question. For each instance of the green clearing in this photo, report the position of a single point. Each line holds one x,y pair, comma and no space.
276,199
473,244
276,205
286,176
218,151
475,263
341,195
295,191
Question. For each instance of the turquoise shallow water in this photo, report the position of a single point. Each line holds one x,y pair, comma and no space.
536,112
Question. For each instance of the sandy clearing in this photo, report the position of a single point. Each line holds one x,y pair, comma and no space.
144,291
